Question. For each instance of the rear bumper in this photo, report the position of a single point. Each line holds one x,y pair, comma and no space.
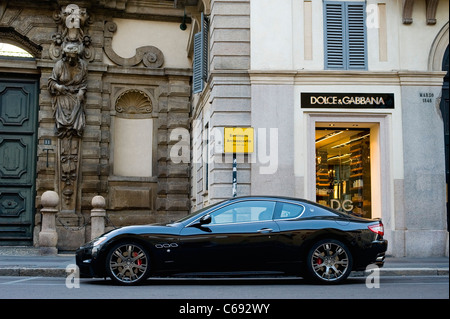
375,253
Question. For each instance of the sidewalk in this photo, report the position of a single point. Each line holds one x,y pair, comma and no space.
26,261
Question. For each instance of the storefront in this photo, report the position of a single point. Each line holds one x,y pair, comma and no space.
350,148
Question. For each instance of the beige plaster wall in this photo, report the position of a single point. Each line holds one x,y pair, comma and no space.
166,36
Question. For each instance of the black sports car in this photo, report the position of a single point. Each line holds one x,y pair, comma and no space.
241,234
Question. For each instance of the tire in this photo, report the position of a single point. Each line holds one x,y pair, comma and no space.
128,263
329,261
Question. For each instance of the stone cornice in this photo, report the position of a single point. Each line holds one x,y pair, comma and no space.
303,77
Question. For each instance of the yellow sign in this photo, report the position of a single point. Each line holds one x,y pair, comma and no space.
238,139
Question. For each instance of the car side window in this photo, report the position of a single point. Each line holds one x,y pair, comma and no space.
242,212
316,211
289,211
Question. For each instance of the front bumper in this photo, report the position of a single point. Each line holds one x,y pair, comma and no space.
89,262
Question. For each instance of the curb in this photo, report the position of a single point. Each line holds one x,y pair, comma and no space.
33,272
404,272
61,272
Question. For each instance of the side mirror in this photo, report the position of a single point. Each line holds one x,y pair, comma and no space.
205,219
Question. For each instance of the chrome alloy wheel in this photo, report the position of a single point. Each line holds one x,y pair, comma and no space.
330,261
128,263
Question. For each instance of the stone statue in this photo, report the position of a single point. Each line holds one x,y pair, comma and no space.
67,85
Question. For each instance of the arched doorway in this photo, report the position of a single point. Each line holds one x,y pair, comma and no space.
18,145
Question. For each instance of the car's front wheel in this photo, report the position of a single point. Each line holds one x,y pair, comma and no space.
128,263
329,261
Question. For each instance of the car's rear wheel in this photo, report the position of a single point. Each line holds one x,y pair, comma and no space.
329,261
128,263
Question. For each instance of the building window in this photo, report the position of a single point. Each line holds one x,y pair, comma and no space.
9,50
345,35
343,173
200,66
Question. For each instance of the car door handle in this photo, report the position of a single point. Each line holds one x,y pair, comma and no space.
265,230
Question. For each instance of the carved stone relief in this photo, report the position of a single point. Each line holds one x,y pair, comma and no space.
133,103
67,86
73,23
149,55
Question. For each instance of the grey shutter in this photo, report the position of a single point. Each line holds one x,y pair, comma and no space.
200,67
356,37
197,77
205,36
334,36
345,36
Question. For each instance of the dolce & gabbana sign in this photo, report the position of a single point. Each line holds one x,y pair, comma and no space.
348,100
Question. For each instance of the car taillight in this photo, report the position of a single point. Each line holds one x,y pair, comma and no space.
377,228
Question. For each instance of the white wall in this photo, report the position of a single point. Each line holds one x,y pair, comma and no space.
278,34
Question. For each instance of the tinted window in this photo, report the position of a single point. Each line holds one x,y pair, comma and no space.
289,211
315,211
241,212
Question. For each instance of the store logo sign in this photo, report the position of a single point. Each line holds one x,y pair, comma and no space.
347,100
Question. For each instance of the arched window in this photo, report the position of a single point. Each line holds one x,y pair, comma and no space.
9,50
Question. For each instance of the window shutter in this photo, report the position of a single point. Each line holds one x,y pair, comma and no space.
197,78
345,36
334,36
200,65
205,36
356,37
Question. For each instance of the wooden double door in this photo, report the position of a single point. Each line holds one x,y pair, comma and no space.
18,139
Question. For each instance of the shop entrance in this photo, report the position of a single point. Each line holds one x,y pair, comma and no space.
344,167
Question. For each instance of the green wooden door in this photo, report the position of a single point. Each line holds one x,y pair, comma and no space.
18,127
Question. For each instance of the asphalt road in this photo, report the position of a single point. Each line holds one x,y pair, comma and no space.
392,287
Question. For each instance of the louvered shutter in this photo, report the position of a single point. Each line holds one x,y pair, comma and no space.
334,36
197,77
205,46
345,35
356,37
200,65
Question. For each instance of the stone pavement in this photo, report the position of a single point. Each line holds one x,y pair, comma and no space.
27,261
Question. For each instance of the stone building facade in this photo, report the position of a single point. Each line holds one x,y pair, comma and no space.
296,72
165,78
138,57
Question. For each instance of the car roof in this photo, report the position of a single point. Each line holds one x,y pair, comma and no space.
271,197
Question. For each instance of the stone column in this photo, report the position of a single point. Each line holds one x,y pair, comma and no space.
48,238
98,214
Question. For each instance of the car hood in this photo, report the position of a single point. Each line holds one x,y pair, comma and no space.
167,229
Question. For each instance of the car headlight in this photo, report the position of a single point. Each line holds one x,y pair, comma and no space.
98,241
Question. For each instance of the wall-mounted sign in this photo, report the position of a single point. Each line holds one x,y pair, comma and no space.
238,139
348,100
